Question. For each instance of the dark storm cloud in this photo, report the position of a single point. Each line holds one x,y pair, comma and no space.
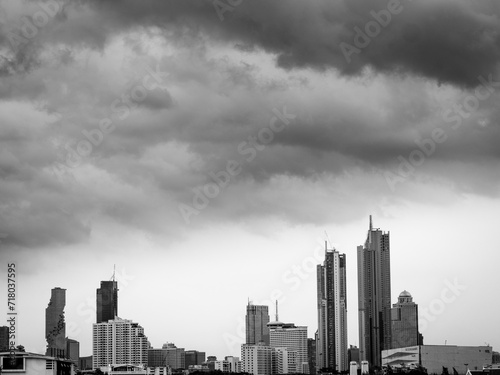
167,144
448,41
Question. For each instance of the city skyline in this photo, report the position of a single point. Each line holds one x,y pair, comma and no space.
205,151
189,345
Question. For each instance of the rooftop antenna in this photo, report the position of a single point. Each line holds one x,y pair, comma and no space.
371,226
328,239
114,269
277,310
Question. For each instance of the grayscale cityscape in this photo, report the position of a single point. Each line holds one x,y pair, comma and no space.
256,187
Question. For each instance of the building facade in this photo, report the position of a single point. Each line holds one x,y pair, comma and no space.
118,342
229,364
404,320
256,322
55,325
194,358
294,339
73,350
24,363
256,359
107,301
176,357
374,296
311,355
435,357
331,345
4,339
157,357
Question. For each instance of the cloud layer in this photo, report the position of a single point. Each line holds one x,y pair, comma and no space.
122,110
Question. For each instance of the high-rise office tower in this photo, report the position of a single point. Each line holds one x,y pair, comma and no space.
331,345
404,316
118,342
55,326
374,296
256,324
107,301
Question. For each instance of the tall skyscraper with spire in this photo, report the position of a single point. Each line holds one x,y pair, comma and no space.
55,326
256,324
331,344
374,296
107,301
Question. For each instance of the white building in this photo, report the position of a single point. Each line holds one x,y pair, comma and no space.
256,359
435,357
229,364
284,361
294,339
136,370
24,363
118,342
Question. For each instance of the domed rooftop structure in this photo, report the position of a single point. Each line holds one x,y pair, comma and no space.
405,293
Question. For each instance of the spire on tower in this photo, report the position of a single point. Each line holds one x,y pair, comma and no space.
371,226
277,311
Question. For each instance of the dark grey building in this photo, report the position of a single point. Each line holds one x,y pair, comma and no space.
256,321
194,357
85,363
374,296
55,326
157,357
353,354
311,355
73,351
107,301
404,317
4,339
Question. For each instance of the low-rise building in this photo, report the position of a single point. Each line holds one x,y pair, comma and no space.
25,363
435,357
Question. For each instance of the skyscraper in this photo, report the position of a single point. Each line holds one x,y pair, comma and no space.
118,342
404,317
55,326
331,345
374,296
107,301
256,324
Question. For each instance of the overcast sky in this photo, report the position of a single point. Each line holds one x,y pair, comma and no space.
118,119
